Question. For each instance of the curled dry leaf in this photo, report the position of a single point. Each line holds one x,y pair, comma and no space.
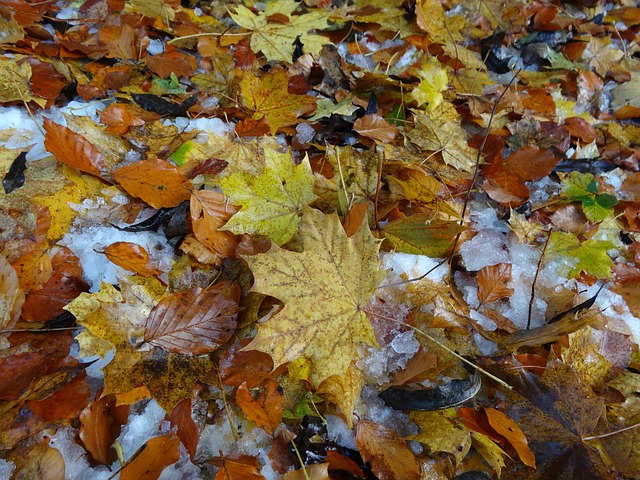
388,453
492,283
265,410
155,181
132,257
375,127
209,212
73,149
195,321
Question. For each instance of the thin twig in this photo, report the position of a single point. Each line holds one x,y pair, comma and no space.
535,279
615,432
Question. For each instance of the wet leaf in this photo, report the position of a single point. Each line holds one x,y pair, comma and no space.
440,432
99,427
44,463
188,431
14,178
73,149
375,127
510,430
420,236
195,321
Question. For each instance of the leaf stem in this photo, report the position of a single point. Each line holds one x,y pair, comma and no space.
615,432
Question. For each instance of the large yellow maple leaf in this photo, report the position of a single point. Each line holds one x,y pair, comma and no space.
324,290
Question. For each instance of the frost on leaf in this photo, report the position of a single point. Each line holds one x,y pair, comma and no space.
273,202
324,289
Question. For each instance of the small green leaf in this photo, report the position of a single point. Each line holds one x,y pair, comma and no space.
418,236
589,256
583,188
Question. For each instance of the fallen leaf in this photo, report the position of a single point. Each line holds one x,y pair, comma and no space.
266,410
73,149
155,181
343,392
172,60
276,39
510,430
272,203
156,455
263,95
420,235
195,321
388,453
323,318
188,432
44,463
67,402
99,427
11,295
375,127
493,283
440,432
317,471
132,257
237,469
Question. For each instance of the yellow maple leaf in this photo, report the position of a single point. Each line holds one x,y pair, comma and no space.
434,81
324,289
264,96
275,39
272,202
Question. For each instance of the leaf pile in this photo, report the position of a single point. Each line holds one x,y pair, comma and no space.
301,166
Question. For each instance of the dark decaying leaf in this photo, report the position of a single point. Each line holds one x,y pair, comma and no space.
196,321
156,104
448,395
14,178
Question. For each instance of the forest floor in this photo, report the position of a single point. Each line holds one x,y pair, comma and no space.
319,239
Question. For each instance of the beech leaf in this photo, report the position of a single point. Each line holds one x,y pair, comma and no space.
73,149
155,181
323,319
375,127
510,430
492,283
266,410
196,321
158,454
132,257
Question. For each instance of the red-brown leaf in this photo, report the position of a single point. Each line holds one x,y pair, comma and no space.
155,181
67,402
375,127
492,283
245,468
99,429
266,410
188,431
73,149
196,321
388,453
132,257
157,454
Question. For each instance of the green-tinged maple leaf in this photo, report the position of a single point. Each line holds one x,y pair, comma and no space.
273,202
324,290
265,97
583,188
627,93
589,256
275,39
